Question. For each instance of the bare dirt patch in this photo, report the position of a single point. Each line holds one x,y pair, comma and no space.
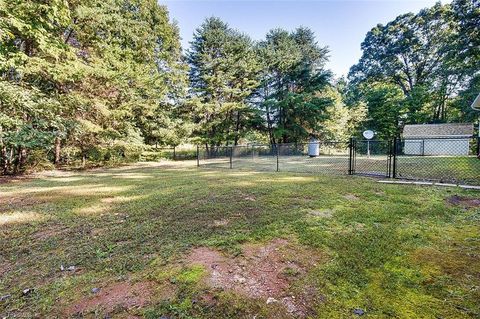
12,179
325,213
351,197
49,231
247,197
115,297
264,271
220,222
466,202
250,198
12,203
5,267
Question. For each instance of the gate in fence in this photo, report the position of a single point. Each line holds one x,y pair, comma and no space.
446,160
372,157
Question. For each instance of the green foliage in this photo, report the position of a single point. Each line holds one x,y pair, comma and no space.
430,56
386,109
191,275
340,121
293,74
93,82
242,89
460,105
96,77
224,73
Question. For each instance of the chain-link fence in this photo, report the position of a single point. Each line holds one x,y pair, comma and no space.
372,157
331,157
257,157
215,156
454,160
324,157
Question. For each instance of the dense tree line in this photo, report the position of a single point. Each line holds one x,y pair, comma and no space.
420,68
275,90
98,81
86,79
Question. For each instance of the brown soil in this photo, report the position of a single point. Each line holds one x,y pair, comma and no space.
250,198
464,201
326,213
262,271
351,197
49,231
220,222
5,267
121,295
13,179
13,203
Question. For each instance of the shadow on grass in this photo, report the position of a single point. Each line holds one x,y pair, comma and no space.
121,222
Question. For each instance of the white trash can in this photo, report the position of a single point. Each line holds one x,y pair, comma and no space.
313,147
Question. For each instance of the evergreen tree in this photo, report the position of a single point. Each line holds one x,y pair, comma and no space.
293,73
223,74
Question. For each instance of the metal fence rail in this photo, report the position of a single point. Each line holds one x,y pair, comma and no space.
174,153
454,160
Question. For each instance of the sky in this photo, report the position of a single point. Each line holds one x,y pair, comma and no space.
341,25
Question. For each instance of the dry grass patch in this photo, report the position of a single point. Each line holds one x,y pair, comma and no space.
20,217
325,213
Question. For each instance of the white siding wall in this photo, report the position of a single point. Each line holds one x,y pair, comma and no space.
437,147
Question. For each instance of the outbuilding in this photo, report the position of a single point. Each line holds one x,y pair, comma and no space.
437,139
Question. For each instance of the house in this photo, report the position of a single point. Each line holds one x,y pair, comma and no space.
437,139
476,103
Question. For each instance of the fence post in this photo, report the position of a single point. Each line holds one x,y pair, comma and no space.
231,157
394,164
198,156
278,154
390,158
478,146
350,156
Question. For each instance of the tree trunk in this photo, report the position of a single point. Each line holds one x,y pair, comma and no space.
444,109
3,154
3,157
21,159
269,126
237,129
58,147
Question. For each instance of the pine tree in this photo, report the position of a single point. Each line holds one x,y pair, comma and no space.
223,75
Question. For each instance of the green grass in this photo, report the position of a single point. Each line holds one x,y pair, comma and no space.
395,251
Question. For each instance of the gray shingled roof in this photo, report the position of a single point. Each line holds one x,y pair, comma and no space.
438,130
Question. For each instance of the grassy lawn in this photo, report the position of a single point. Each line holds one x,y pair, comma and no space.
169,240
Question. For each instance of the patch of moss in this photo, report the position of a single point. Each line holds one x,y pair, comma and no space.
191,275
